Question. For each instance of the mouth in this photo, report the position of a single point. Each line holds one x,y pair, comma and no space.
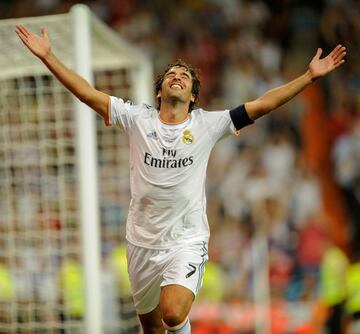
176,86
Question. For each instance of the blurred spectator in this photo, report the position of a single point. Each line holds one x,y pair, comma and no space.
118,264
306,198
352,304
242,48
311,245
212,291
7,292
333,287
72,287
346,154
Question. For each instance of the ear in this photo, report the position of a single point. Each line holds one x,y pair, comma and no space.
192,99
158,95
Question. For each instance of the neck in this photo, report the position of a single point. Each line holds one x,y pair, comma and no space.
173,113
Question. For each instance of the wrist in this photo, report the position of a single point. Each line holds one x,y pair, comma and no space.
48,57
310,76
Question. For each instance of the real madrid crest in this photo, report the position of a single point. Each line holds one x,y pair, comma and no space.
188,138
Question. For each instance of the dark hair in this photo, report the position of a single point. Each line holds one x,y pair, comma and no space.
195,82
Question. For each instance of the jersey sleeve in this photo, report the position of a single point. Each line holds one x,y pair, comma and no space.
219,124
121,114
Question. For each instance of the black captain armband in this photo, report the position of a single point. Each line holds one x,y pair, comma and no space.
240,117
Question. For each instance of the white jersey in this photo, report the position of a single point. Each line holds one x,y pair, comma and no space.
167,173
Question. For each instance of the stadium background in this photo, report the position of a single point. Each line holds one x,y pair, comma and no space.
295,174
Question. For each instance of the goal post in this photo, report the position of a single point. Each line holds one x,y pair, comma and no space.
87,171
64,183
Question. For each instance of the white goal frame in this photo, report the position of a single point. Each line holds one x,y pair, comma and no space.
85,60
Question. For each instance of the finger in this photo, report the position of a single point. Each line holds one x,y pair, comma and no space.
23,29
339,47
21,35
318,53
339,63
339,54
17,30
338,50
24,39
44,32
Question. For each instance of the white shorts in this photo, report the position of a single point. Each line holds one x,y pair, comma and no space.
151,269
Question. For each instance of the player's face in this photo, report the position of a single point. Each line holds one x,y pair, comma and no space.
177,84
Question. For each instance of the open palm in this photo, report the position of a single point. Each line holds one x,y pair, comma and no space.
319,67
39,45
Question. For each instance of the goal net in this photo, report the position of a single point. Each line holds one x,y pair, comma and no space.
42,276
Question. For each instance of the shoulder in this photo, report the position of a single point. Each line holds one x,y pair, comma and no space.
144,109
209,114
201,111
130,107
217,122
198,111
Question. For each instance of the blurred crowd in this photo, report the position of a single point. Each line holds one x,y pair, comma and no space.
291,179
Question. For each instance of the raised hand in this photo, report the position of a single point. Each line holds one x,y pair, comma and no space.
39,45
320,67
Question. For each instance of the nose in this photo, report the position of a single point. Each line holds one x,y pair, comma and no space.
177,76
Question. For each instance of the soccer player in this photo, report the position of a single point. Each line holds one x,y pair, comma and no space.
167,230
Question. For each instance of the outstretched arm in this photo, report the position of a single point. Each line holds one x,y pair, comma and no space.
276,97
40,46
